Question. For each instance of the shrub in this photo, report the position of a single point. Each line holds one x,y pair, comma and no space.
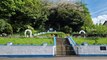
67,29
5,27
96,29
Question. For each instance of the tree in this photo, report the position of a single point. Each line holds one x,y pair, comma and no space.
7,8
36,10
87,17
43,15
63,15
23,12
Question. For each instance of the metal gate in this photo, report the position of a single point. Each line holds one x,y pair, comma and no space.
64,48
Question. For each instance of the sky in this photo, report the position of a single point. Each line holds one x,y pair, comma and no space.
98,10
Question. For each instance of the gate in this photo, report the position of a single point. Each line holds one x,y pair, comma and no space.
63,47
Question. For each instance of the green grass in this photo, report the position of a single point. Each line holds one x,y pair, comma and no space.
17,40
40,41
26,41
91,41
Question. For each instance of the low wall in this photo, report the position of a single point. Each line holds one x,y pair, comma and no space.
92,50
27,51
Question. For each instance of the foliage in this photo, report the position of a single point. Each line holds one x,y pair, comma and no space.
96,29
23,12
42,15
87,17
5,27
100,29
7,8
67,29
63,15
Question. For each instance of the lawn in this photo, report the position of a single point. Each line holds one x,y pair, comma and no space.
37,40
49,41
26,41
91,41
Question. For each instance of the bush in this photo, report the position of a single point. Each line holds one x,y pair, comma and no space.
67,29
5,27
8,28
96,29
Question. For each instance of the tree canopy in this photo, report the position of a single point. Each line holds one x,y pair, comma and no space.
23,12
87,17
65,15
42,15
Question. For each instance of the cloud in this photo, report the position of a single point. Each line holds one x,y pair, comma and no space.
100,10
100,19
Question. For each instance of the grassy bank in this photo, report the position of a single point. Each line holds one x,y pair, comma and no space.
40,41
91,41
26,41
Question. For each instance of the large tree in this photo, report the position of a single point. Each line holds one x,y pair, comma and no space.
65,15
20,13
42,14
87,18
7,8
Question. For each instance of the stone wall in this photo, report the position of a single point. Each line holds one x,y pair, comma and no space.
92,50
27,50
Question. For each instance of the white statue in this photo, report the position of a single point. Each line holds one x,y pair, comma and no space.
28,31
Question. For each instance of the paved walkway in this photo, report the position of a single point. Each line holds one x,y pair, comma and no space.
58,58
